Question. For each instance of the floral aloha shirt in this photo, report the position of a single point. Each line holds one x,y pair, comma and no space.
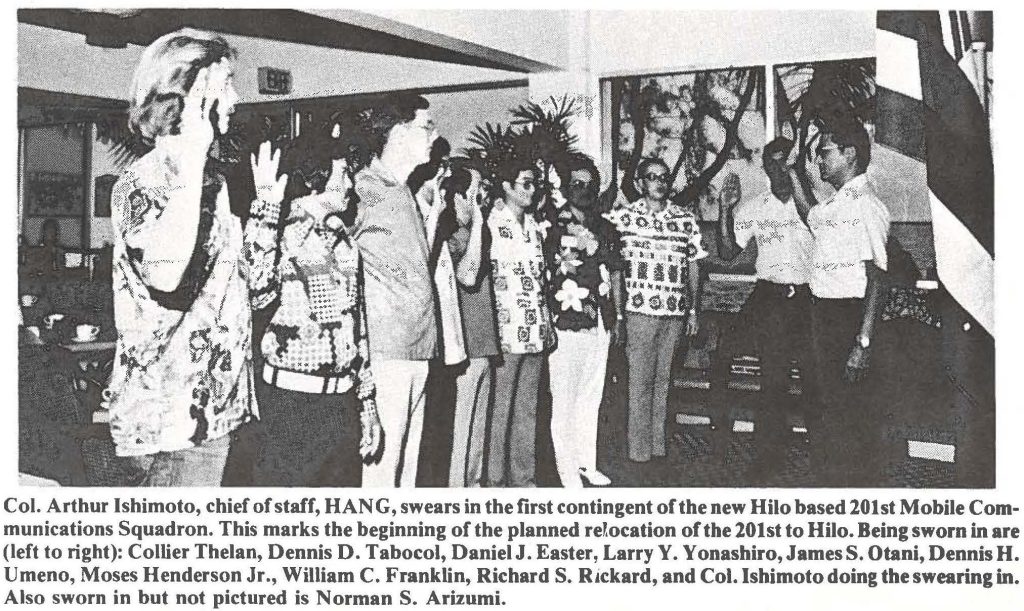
182,371
585,253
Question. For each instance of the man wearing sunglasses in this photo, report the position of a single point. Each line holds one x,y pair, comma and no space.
848,264
661,244
777,312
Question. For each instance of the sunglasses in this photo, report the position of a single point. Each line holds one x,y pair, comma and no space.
579,184
656,177
529,185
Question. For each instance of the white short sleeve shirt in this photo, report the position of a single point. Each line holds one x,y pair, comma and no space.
849,229
784,242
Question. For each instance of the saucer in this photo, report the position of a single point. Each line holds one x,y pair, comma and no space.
79,340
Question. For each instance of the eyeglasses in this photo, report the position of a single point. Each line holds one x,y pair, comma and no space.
579,184
529,185
656,177
821,150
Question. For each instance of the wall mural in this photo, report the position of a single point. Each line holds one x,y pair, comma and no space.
699,123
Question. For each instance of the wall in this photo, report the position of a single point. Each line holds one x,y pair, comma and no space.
458,113
51,149
639,42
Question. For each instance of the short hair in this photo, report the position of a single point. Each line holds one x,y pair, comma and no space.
440,149
307,161
778,145
391,111
509,169
164,76
851,133
457,182
574,162
647,162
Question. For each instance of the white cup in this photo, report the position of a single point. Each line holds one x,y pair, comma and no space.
52,319
86,332
27,301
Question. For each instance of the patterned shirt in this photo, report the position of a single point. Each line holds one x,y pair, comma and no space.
850,228
392,241
319,328
657,247
183,372
517,260
585,255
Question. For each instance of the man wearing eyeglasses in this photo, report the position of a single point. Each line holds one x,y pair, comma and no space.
848,264
661,244
777,312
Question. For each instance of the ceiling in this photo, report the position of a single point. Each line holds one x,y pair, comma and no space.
350,30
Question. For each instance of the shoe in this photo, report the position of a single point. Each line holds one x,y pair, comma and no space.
594,477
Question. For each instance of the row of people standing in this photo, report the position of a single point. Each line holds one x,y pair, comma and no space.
821,277
352,271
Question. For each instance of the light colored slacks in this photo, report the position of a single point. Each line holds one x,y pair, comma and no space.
577,369
472,402
401,395
650,347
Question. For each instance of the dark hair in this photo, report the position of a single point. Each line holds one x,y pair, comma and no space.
851,133
307,161
439,151
393,110
164,76
457,182
574,162
509,169
646,163
778,145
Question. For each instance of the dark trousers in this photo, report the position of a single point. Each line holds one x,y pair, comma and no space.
846,444
308,439
778,316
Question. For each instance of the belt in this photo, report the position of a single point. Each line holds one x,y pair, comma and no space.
843,301
786,290
305,382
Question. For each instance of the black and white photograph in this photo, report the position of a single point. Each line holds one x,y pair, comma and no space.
513,248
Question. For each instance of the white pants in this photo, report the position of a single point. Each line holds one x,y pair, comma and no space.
401,395
473,400
577,370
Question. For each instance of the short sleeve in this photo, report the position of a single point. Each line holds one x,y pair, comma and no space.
875,222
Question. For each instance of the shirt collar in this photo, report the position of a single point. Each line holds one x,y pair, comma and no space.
854,185
377,170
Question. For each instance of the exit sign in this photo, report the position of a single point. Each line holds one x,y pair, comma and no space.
273,81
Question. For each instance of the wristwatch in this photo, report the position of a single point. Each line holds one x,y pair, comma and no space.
863,341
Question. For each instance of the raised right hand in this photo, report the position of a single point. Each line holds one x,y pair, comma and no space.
195,132
731,191
269,186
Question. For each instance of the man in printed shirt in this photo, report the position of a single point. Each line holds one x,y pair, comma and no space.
848,264
778,311
661,244
400,307
524,326
182,377
315,388
586,303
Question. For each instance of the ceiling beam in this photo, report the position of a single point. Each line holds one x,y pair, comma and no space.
351,30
